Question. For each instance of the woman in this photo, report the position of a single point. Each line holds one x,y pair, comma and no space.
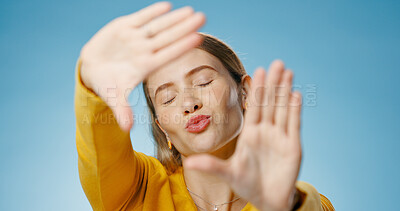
225,141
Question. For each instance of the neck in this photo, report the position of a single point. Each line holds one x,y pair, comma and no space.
211,188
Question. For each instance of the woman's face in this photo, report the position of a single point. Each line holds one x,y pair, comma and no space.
196,84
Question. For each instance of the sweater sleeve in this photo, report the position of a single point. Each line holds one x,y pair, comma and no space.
312,200
110,171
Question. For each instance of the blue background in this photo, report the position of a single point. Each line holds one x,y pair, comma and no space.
345,56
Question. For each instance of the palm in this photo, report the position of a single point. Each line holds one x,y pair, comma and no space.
265,165
131,47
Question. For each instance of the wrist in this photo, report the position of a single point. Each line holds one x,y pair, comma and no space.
294,202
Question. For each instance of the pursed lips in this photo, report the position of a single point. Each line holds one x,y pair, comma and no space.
196,119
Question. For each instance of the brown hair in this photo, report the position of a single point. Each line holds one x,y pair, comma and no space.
171,159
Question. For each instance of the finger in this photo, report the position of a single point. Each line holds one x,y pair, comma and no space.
147,14
159,24
208,164
294,115
177,49
282,100
253,112
273,79
176,32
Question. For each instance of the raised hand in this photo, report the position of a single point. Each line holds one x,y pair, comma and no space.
266,163
127,49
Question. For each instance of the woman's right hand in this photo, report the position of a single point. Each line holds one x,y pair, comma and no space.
127,49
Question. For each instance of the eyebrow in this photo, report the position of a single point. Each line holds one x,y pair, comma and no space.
188,74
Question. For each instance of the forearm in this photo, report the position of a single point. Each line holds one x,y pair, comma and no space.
106,159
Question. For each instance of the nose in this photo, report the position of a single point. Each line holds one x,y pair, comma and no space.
191,104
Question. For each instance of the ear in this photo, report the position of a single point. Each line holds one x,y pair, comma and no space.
246,84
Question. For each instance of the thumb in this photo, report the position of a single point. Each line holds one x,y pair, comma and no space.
209,164
122,110
124,117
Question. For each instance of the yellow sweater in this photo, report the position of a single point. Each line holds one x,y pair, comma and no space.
115,177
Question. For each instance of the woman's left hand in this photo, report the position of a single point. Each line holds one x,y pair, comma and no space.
266,163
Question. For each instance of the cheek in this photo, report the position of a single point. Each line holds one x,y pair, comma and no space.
223,96
228,116
169,119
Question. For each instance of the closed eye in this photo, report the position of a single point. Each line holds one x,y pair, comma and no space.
202,85
206,84
169,101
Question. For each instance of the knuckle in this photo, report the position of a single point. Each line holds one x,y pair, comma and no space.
130,20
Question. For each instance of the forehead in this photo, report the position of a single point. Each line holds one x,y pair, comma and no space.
176,70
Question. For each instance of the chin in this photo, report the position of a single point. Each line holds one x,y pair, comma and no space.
204,143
